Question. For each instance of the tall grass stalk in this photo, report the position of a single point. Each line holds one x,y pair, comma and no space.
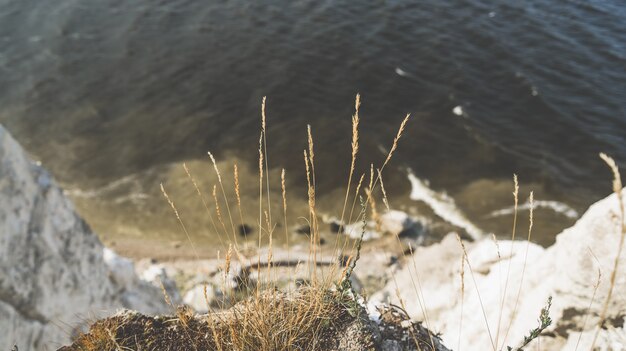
355,151
267,171
204,203
238,195
617,189
462,275
521,283
591,301
315,239
260,201
382,188
480,300
508,271
219,180
283,188
180,221
420,292
218,212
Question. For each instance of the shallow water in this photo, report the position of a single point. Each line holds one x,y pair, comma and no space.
110,94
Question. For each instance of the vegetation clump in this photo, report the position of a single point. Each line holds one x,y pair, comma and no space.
305,320
326,313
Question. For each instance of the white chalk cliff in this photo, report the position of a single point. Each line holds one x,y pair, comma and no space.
567,271
53,274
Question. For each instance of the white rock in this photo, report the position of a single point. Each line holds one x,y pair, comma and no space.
122,269
394,222
153,273
372,312
567,271
196,299
156,275
53,275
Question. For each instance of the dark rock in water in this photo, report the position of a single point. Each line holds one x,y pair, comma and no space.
466,236
244,230
303,229
336,227
412,230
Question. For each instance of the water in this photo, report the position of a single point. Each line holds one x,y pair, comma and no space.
112,96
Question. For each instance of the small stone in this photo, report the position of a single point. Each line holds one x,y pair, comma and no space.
196,299
244,230
336,227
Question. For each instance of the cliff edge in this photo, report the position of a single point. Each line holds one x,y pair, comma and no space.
53,272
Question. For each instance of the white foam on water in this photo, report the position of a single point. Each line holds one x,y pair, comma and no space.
131,195
401,72
555,206
443,205
458,110
114,185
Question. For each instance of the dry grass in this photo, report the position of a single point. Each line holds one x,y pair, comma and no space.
591,300
519,289
273,321
265,319
617,189
480,300
545,319
462,276
513,230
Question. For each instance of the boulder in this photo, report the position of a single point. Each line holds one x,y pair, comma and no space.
198,296
430,286
157,276
53,273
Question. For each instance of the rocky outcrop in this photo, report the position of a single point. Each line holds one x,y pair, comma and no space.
53,274
484,317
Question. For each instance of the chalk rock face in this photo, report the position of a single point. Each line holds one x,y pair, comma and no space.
567,271
52,271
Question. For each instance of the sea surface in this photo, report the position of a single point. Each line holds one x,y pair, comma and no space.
113,96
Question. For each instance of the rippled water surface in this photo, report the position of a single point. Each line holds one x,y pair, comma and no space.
113,95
